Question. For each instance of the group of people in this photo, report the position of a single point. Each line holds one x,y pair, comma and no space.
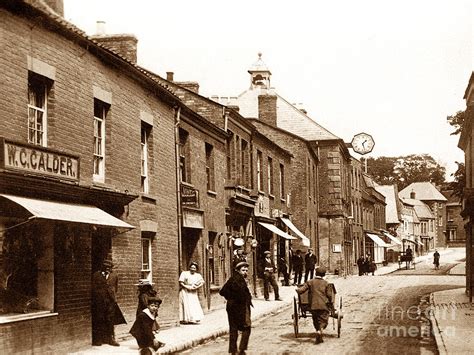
366,265
106,312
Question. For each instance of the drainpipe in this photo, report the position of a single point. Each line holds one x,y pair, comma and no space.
177,119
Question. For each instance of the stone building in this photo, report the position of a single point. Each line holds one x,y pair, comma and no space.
455,233
327,221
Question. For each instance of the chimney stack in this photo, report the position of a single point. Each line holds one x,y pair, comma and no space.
412,195
267,109
190,85
123,44
56,5
169,76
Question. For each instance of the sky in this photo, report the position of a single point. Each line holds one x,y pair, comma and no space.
393,69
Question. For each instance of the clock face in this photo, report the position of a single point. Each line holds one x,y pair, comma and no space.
362,143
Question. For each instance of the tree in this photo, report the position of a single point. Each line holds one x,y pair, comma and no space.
406,169
457,121
459,182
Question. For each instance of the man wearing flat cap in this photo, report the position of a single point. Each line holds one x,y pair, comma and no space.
321,295
269,271
239,300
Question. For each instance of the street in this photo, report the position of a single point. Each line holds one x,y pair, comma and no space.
382,314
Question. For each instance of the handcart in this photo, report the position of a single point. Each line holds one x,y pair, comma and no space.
301,309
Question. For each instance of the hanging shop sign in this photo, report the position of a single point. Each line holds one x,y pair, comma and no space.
189,196
32,159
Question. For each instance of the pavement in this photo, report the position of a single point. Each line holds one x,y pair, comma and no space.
451,316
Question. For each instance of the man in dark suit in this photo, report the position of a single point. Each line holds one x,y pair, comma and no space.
269,270
309,264
105,311
320,301
297,267
239,300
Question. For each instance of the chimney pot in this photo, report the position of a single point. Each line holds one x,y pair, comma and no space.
100,28
413,195
169,76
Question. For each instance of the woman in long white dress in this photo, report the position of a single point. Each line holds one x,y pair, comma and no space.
190,310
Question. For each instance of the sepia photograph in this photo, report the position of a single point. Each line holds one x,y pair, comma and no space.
251,177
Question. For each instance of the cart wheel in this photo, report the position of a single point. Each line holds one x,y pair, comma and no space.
295,316
339,318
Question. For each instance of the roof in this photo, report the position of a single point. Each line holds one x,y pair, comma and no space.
289,117
391,209
422,210
259,65
424,191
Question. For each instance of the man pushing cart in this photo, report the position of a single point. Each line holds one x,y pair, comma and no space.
317,296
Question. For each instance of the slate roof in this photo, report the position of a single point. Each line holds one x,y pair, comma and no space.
422,210
391,209
424,191
289,117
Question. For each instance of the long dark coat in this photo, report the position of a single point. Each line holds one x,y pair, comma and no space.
239,300
142,330
104,305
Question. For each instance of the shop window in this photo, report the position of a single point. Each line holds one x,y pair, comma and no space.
100,113
146,258
27,269
210,167
38,90
145,148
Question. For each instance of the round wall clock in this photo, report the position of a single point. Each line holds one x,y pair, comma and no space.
362,143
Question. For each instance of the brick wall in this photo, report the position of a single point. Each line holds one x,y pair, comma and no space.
70,129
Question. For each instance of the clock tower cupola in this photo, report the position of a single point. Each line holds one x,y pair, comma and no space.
259,74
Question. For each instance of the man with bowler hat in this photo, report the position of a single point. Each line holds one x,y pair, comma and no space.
269,270
105,311
239,300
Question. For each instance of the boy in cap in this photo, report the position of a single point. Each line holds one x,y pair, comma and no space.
269,278
239,300
142,328
322,294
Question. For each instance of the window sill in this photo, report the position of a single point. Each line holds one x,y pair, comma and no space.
212,193
282,200
271,196
214,288
28,316
148,197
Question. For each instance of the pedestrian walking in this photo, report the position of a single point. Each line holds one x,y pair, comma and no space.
145,291
190,310
143,328
366,264
321,298
436,259
360,265
105,311
239,300
298,267
309,264
269,277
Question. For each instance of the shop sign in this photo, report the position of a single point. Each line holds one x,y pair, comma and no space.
193,219
38,160
189,196
262,208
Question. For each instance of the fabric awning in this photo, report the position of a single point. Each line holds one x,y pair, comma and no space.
69,212
276,230
392,238
412,241
289,224
377,240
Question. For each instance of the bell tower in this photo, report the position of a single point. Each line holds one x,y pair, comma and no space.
259,74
